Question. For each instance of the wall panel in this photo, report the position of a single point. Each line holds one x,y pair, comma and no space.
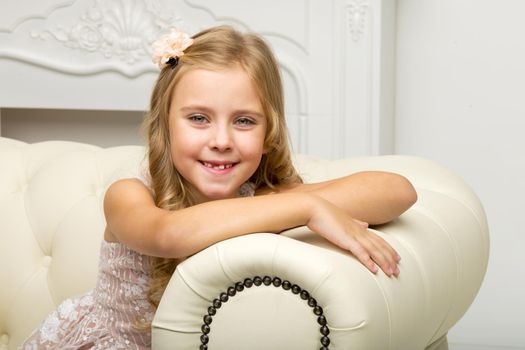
460,83
93,54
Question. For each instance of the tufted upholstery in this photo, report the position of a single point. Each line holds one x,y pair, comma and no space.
443,241
51,224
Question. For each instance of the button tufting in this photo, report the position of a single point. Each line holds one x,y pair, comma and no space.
4,339
46,261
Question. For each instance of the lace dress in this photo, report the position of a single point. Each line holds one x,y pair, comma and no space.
108,317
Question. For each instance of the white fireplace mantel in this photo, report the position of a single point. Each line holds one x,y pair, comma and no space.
336,57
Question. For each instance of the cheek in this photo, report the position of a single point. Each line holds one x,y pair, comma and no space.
184,142
252,145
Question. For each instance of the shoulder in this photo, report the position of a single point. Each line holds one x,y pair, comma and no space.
122,197
128,190
128,184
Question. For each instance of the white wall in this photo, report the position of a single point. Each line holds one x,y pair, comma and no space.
103,128
460,100
335,56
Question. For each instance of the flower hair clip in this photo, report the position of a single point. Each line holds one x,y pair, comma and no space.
169,47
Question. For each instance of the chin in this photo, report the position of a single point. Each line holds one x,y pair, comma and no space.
216,195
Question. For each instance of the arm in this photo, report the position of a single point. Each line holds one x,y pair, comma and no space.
134,220
374,197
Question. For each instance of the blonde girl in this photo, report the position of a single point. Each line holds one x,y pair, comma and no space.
219,167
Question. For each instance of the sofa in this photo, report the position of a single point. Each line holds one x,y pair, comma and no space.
259,291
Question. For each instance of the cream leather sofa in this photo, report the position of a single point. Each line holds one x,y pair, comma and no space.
51,224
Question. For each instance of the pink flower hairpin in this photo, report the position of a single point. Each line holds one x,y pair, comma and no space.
169,47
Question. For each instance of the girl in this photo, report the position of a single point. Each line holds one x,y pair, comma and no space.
219,167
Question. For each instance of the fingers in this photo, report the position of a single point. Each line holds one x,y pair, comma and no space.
378,254
361,253
381,254
346,232
374,251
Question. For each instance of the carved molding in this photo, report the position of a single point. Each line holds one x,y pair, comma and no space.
18,21
123,29
365,124
304,47
357,11
78,68
300,86
90,37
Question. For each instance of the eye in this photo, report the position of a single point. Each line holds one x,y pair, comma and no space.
244,121
198,118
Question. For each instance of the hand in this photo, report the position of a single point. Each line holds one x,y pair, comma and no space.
362,223
351,234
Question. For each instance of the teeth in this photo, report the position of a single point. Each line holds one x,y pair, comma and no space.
217,167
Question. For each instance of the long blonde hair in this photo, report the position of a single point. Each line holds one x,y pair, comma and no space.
215,48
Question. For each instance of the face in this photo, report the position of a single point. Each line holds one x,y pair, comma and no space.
217,130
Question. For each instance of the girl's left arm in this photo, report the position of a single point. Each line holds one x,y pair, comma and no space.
375,197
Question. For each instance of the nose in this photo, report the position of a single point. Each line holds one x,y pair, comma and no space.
221,139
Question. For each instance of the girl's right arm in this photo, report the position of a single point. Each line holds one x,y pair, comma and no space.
134,219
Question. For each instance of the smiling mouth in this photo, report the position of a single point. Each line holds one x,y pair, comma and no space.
217,166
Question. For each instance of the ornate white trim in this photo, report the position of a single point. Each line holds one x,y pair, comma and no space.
356,12
11,28
226,19
73,68
123,29
301,88
364,123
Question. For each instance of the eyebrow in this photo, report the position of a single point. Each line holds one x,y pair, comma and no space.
248,111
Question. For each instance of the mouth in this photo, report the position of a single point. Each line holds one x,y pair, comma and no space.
218,165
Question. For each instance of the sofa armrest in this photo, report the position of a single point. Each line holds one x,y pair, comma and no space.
443,242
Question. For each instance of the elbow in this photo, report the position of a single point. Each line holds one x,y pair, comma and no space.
402,195
405,193
392,193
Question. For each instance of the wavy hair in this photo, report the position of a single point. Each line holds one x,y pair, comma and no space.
215,48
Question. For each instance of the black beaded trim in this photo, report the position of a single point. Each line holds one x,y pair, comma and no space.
267,281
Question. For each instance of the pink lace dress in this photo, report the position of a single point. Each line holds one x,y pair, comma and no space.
108,317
